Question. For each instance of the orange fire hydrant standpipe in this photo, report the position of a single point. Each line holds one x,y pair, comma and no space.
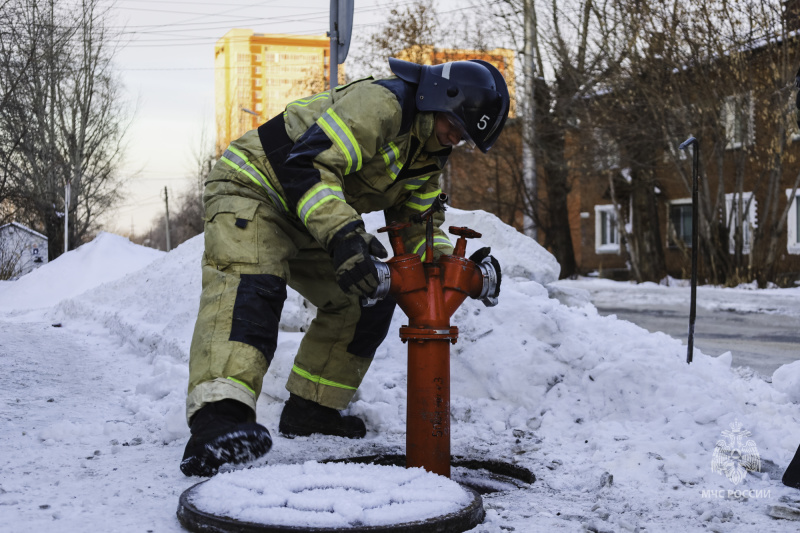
429,293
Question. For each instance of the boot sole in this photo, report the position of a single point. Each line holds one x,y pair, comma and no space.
237,447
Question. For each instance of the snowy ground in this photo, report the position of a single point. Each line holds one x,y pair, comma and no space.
619,431
759,328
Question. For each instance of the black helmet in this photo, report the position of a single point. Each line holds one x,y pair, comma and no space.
472,92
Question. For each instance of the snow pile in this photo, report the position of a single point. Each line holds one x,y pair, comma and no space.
519,256
618,429
743,299
787,380
108,257
330,495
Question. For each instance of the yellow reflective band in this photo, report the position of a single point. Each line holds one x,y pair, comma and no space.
317,196
421,202
438,241
304,102
243,384
338,132
237,160
415,184
385,157
390,155
317,379
419,245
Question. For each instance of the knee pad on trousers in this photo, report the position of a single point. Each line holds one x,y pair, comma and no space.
372,327
257,312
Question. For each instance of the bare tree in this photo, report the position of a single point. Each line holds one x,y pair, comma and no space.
725,72
410,31
576,43
66,115
10,259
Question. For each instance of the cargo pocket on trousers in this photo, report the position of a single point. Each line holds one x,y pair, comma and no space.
231,235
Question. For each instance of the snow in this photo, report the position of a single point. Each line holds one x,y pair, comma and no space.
787,380
108,257
619,431
330,495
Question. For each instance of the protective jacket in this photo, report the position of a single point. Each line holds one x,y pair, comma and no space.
323,164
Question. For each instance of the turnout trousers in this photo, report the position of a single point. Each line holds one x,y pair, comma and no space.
253,249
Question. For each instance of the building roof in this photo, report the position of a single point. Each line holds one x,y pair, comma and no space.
24,228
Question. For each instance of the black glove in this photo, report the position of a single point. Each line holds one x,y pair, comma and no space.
355,271
479,257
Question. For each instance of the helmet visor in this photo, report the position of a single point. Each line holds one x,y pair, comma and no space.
484,115
456,124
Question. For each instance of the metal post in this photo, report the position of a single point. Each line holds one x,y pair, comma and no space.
166,202
67,193
691,141
334,34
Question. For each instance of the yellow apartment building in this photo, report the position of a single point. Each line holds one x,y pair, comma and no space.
257,74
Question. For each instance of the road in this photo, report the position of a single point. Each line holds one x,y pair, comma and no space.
759,341
761,328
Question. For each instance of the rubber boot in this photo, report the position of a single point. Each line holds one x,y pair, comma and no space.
301,417
791,478
223,432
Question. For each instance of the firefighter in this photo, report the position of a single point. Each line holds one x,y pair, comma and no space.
282,207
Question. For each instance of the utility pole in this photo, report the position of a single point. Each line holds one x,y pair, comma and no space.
67,192
528,124
166,202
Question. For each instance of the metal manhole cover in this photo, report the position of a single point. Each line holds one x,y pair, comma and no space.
328,497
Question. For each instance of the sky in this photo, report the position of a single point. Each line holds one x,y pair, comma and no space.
166,62
620,432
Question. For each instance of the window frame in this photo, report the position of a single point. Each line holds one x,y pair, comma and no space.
599,246
792,131
738,105
670,204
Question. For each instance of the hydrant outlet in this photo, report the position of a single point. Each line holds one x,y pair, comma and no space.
384,283
489,290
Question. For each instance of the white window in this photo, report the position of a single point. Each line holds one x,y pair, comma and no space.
606,236
679,218
748,219
259,82
737,116
793,226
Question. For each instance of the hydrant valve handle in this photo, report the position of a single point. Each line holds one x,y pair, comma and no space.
467,233
394,226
